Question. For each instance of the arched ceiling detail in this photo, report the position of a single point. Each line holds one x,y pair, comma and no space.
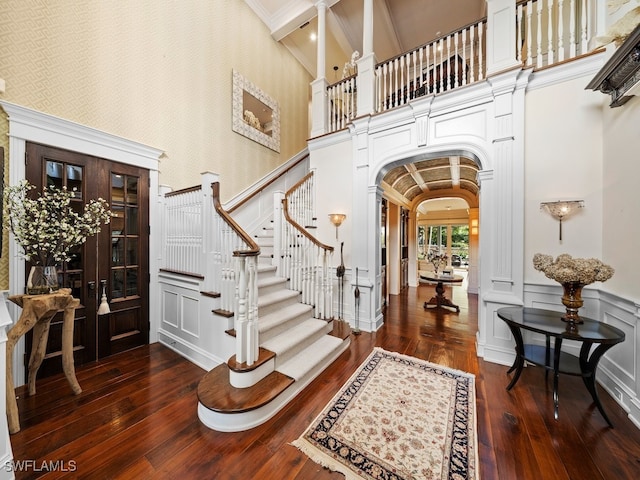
453,176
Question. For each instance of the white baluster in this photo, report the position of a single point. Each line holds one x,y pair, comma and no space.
583,28
539,35
421,68
529,33
572,29
519,34
472,53
401,100
447,76
480,59
560,30
457,66
395,82
550,53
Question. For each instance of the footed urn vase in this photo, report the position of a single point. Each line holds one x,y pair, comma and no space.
572,300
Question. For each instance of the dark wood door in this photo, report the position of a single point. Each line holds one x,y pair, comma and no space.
116,259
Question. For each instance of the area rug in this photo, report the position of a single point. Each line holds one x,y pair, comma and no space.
398,418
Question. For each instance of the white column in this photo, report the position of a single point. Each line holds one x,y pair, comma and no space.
320,84
366,79
321,39
367,30
501,36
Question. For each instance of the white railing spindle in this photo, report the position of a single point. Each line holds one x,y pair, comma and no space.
302,252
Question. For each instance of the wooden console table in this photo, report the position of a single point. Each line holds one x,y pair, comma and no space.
37,312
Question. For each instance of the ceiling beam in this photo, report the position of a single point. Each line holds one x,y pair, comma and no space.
411,168
289,17
454,164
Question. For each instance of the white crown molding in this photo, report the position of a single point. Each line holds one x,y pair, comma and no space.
31,125
579,68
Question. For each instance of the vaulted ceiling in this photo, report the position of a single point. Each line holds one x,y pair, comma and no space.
453,176
399,26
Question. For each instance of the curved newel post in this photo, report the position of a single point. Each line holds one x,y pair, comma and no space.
239,253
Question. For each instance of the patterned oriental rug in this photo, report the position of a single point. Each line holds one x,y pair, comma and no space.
398,418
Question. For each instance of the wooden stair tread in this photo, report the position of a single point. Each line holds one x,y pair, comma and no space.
222,313
217,394
211,294
341,329
264,356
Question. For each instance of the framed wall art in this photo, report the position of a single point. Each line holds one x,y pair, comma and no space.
256,115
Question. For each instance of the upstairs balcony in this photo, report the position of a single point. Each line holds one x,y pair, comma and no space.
515,34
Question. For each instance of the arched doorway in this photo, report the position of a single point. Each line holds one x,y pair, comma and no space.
438,190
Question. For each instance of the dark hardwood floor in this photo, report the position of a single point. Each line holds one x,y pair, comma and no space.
136,417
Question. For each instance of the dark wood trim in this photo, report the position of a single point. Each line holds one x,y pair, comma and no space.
195,188
296,225
181,273
621,72
254,249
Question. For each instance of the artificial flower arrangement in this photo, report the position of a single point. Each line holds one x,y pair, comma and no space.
48,227
566,269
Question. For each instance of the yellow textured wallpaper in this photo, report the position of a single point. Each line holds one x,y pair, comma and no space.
158,72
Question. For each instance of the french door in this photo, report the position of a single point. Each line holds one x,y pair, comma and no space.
115,261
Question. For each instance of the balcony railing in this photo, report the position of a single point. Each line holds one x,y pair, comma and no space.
547,32
551,31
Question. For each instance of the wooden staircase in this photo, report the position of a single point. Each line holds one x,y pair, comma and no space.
294,349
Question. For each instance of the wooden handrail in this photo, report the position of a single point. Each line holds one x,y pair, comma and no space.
298,183
296,225
344,80
195,188
254,249
303,231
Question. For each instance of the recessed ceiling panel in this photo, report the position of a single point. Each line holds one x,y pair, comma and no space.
393,175
436,174
404,184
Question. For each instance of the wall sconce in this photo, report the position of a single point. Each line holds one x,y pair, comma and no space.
559,210
336,219
474,226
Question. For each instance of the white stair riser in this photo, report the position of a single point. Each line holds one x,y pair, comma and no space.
285,325
265,288
251,377
284,357
266,272
274,307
